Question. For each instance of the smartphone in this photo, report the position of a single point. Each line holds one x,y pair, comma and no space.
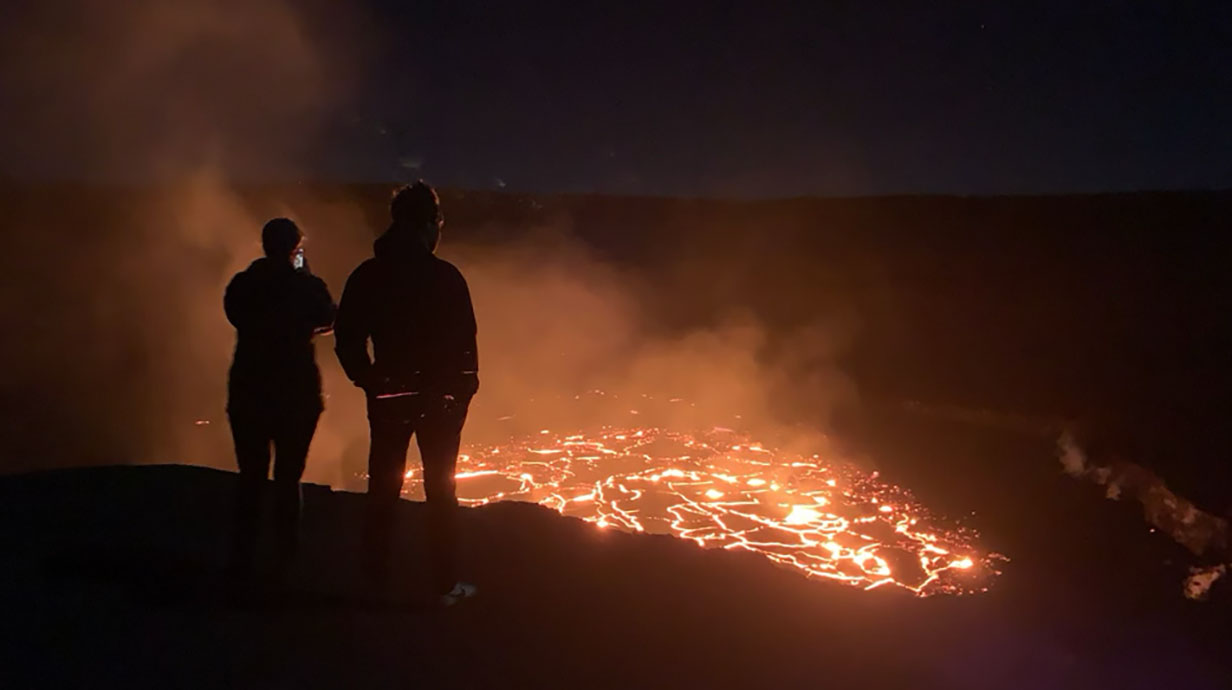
298,260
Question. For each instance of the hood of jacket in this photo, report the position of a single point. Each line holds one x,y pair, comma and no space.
398,244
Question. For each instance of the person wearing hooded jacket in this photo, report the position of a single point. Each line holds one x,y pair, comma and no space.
416,310
274,388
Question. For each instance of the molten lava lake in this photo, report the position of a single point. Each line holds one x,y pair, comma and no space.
720,489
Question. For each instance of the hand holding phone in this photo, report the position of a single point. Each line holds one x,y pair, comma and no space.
297,260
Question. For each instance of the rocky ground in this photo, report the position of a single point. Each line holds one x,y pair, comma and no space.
112,579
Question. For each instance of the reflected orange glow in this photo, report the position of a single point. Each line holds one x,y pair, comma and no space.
716,489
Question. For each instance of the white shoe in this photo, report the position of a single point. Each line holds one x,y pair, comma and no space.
460,591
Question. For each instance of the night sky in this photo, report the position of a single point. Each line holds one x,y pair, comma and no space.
763,99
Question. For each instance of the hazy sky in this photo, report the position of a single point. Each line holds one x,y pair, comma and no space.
765,98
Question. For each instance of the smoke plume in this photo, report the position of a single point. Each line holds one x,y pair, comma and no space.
125,356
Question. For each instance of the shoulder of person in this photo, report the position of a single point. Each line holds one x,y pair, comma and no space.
312,280
315,288
448,270
239,280
364,270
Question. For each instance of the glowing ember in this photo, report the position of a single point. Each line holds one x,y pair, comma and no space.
718,490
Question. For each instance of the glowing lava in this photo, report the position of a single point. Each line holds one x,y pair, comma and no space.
717,489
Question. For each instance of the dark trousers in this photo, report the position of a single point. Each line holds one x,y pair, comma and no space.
290,434
437,426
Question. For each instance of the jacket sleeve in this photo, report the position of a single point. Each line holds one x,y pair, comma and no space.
353,327
322,308
463,336
235,302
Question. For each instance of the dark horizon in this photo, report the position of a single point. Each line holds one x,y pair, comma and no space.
241,185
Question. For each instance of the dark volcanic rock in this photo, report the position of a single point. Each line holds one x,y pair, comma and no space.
112,580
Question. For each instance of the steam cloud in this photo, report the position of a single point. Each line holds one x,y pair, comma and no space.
1203,533
148,91
129,347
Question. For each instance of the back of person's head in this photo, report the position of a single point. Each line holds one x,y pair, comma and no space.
417,208
280,237
415,204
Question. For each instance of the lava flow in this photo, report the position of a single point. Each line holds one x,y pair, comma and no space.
718,489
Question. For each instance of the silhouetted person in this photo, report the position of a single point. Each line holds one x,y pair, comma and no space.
274,390
417,311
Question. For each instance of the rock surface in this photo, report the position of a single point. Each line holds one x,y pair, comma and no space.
112,580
